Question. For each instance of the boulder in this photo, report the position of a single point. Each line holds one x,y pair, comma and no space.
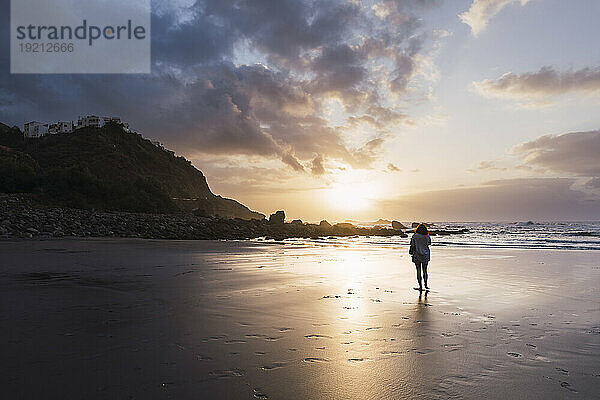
278,218
415,224
344,225
397,226
324,224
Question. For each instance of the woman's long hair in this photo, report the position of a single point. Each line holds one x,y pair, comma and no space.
422,229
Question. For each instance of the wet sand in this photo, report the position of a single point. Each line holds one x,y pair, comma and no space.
148,319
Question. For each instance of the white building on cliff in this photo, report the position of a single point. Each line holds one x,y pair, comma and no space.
61,127
35,129
90,120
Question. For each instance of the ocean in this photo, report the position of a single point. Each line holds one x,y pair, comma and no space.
520,235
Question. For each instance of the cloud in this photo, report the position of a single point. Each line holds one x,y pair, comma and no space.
316,166
489,165
392,168
482,11
541,84
574,153
593,183
200,99
500,200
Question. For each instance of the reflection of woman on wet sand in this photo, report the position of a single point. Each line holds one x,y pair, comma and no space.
419,248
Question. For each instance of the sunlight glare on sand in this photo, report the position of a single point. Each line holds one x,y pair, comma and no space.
288,320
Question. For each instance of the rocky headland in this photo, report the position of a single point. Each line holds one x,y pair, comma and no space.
21,216
110,182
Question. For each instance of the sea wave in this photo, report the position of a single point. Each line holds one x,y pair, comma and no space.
545,235
595,234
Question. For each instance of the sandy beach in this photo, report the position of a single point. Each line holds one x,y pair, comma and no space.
149,319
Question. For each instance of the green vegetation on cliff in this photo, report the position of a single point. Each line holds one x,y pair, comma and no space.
108,169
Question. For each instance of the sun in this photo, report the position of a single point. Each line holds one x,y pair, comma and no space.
348,197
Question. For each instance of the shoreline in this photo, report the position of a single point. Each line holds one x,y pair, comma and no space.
274,241
20,217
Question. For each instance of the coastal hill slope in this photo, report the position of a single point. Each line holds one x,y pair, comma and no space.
108,169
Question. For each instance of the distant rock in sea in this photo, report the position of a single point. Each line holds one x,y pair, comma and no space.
344,225
415,224
380,221
278,218
398,225
324,224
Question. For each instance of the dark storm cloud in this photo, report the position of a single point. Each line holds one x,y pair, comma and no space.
508,200
340,70
197,101
285,28
200,39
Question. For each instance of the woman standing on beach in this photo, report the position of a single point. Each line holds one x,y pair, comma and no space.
419,249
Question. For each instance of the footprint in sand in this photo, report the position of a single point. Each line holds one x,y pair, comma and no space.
391,353
567,386
255,336
515,355
315,360
423,351
272,366
259,394
273,338
373,328
226,373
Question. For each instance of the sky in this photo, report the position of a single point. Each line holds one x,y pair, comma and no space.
462,110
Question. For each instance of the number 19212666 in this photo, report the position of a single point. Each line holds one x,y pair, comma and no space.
46,47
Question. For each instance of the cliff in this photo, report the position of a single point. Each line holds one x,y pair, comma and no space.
108,169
